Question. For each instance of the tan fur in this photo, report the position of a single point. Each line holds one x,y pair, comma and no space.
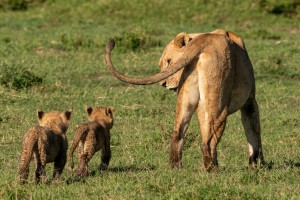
213,76
91,137
48,143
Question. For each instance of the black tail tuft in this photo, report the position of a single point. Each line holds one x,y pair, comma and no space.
110,45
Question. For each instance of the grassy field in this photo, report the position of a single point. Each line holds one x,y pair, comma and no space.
52,58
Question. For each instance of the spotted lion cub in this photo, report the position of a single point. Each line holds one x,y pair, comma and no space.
91,137
48,143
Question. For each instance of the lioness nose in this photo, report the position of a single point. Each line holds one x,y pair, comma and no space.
164,84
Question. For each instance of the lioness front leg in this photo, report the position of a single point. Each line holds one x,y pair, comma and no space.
186,105
250,119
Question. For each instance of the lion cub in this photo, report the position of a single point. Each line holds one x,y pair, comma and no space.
48,143
91,137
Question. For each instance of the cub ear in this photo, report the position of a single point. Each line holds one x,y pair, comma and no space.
110,110
40,114
67,114
89,110
181,40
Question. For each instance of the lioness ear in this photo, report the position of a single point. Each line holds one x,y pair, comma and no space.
182,39
67,114
89,110
40,114
110,110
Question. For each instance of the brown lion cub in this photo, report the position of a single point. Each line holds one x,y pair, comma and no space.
91,137
48,143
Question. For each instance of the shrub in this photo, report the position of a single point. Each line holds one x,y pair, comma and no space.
286,8
19,4
17,77
69,42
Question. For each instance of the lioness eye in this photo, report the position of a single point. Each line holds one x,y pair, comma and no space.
168,62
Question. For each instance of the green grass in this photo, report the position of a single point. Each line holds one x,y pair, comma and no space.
62,44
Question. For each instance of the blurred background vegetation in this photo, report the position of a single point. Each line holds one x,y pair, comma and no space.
52,58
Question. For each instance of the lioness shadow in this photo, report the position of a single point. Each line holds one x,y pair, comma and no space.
286,164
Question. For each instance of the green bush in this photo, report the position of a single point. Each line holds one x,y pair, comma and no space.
17,77
69,42
19,4
286,8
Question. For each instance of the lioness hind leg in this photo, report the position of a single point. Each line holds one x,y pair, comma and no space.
211,130
187,102
250,119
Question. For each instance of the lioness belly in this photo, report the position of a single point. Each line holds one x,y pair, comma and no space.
240,94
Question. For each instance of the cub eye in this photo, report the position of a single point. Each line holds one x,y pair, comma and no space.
168,62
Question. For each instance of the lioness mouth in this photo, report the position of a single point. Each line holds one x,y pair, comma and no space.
173,89
164,84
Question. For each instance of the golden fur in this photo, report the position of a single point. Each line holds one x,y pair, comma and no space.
91,137
48,143
213,76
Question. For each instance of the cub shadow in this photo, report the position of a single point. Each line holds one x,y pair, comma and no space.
121,169
132,168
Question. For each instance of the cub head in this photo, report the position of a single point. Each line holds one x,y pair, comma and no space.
171,54
54,120
101,115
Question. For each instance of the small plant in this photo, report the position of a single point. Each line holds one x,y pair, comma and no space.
135,41
69,42
17,77
286,8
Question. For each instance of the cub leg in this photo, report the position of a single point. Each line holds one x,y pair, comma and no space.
24,166
106,153
60,161
251,123
186,105
41,161
59,165
87,153
40,173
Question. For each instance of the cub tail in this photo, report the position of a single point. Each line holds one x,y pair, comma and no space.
80,134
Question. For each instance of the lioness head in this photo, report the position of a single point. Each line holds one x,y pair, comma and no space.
175,49
103,116
171,54
54,120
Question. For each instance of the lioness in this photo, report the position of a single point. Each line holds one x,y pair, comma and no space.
91,137
48,143
214,77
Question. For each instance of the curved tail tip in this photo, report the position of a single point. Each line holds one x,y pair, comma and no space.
110,45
